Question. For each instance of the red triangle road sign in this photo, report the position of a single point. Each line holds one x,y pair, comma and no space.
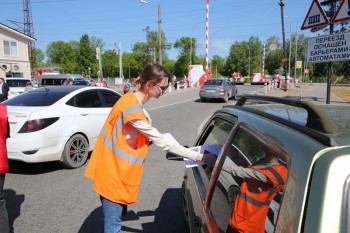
343,12
315,16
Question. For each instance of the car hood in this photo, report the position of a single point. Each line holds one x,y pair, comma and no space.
17,116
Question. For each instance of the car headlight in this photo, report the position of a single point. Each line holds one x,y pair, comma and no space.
38,124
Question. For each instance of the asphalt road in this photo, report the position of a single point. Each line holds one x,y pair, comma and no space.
44,198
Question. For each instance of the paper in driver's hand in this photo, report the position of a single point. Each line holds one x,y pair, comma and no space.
211,148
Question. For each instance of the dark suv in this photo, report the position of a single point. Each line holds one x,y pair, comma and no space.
309,145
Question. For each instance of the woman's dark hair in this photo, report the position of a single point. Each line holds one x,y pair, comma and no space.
153,73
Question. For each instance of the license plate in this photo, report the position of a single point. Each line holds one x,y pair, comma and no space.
210,91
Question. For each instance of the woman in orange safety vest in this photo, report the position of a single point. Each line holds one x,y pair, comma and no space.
4,167
118,158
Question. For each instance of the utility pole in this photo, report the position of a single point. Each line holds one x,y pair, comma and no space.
118,46
160,55
281,3
147,43
98,57
28,29
330,14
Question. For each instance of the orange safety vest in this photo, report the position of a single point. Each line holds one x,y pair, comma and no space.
4,166
252,204
114,166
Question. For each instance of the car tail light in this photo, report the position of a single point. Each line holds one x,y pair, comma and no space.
36,125
222,89
201,89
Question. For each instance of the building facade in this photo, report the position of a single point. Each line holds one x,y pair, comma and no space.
14,56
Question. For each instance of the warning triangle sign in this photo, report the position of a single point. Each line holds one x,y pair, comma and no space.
315,16
343,12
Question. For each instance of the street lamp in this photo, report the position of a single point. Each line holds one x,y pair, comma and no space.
160,57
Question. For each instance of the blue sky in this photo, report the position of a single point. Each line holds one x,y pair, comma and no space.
125,20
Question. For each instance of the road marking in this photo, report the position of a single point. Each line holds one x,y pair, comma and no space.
164,106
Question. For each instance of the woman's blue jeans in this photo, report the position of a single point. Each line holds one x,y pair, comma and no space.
112,212
4,222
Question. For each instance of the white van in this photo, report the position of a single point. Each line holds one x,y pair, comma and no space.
17,86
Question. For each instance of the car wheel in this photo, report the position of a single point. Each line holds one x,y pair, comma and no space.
203,99
233,191
75,152
184,202
226,98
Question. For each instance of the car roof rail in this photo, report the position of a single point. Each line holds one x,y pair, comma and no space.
316,119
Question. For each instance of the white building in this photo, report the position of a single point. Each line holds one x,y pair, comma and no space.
14,57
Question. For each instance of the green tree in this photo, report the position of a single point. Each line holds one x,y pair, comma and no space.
183,44
110,64
86,55
217,65
273,57
63,54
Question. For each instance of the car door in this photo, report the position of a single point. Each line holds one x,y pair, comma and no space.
246,148
197,183
91,113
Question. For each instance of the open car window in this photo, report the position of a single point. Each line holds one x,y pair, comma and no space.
244,187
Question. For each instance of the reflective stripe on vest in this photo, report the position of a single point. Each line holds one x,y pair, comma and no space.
110,143
267,202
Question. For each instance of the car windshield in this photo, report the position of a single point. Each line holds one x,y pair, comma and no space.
213,82
52,81
17,83
36,98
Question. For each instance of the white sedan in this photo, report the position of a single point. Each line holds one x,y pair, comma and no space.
57,123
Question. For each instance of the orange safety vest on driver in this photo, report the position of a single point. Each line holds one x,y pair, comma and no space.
114,166
252,204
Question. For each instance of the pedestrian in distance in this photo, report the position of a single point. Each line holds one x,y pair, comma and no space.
103,83
126,86
28,86
69,82
117,161
4,89
4,167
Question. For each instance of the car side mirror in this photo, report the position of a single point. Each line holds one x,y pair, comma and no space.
172,156
175,157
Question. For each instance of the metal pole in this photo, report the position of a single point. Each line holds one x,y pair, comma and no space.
191,53
281,3
160,59
296,54
290,44
331,27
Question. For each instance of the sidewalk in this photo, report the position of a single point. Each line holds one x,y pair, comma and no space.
315,92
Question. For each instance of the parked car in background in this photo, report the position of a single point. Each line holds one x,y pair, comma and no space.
312,144
57,123
77,82
17,86
218,88
53,79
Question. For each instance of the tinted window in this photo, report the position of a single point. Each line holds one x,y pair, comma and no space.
110,97
213,82
245,186
216,133
52,81
86,99
36,98
16,83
